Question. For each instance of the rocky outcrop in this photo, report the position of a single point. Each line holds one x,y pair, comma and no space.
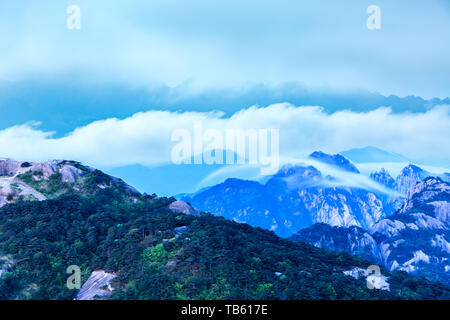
39,181
8,167
335,160
296,197
353,239
98,286
384,178
376,281
6,265
183,207
416,239
409,177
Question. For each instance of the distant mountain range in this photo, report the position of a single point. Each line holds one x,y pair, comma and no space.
405,228
415,239
299,196
61,104
28,181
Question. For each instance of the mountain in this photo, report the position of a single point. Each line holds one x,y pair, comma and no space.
62,104
445,177
408,177
133,246
372,154
416,239
335,160
296,197
40,181
354,240
384,178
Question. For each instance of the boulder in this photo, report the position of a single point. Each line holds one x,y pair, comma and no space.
97,286
183,207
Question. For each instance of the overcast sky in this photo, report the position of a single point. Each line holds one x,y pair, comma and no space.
216,43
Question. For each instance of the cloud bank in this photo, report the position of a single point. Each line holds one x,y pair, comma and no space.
225,42
145,138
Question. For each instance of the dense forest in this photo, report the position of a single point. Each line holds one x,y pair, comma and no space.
160,254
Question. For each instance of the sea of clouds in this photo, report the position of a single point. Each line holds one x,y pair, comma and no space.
145,138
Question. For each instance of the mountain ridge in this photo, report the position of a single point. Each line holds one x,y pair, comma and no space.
145,247
415,239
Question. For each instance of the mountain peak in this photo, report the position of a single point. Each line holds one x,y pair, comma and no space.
409,176
308,172
23,180
429,188
384,178
413,169
336,160
372,154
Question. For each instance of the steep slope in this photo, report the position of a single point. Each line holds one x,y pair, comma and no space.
335,160
384,178
143,250
445,177
416,239
294,198
47,180
408,177
353,240
372,154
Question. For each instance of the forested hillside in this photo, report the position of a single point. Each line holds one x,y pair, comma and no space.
160,254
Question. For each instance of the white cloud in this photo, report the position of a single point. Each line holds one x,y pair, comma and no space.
228,42
145,138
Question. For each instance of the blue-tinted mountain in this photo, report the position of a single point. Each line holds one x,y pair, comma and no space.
334,160
140,247
62,104
296,197
409,177
384,178
416,239
372,154
354,240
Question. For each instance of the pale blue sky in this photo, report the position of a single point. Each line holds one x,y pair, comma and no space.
321,44
97,92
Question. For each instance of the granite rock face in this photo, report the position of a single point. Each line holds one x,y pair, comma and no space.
183,207
98,286
335,160
384,178
409,177
296,197
6,265
50,179
416,239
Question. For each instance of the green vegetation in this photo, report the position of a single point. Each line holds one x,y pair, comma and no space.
51,188
54,187
75,164
214,259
